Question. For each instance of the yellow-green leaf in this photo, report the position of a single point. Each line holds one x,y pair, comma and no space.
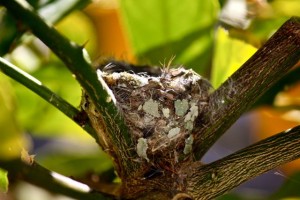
11,138
3,181
229,55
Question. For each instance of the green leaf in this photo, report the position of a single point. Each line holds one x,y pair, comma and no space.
286,8
85,35
3,181
39,117
229,55
159,30
11,138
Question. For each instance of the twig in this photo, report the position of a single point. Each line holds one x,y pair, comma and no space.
37,87
41,177
246,85
212,180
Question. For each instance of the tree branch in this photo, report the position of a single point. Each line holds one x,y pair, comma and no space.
41,177
246,85
211,180
73,57
37,87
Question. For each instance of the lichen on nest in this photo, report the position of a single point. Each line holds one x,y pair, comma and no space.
160,111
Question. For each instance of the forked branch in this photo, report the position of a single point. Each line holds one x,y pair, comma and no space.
235,96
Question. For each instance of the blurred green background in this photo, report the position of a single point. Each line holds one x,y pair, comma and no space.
212,37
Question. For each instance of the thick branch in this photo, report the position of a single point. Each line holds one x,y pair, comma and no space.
72,55
37,87
41,177
211,180
247,84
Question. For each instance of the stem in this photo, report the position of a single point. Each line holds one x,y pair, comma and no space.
41,177
246,85
73,57
211,180
37,87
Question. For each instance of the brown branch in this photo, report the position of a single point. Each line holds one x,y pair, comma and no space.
37,175
246,85
212,180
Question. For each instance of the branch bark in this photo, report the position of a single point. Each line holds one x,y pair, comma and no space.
212,180
246,85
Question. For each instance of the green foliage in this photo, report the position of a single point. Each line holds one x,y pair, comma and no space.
58,79
53,74
3,181
160,30
229,55
11,137
22,110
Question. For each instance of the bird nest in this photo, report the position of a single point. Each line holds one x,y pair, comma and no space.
160,111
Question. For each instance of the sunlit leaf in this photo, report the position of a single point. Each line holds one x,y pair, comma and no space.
229,55
286,8
11,138
79,28
3,181
159,30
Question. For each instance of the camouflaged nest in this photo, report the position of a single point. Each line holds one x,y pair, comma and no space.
160,111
